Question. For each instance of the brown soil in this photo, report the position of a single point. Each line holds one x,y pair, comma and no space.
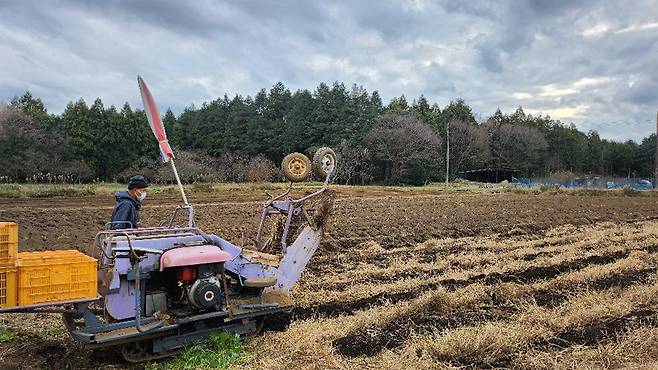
390,219
363,301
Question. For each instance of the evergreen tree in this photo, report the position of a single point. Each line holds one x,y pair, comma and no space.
398,105
172,128
299,123
457,110
34,108
279,121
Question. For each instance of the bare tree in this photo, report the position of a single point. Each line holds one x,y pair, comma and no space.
355,163
193,166
35,153
261,169
400,140
232,167
516,146
469,147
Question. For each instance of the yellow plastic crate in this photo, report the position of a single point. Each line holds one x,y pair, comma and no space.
55,276
7,287
8,243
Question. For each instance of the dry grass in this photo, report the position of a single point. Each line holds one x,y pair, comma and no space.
572,297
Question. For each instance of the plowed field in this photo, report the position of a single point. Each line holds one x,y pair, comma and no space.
415,279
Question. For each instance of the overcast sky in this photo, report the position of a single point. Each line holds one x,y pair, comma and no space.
591,63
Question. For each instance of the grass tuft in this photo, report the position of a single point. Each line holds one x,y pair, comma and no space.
549,187
220,352
629,192
7,336
54,331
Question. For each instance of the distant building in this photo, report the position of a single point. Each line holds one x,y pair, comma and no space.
489,174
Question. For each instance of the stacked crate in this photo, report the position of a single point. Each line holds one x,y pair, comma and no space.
30,278
55,276
8,254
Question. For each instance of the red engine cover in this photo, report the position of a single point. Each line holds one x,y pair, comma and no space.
186,274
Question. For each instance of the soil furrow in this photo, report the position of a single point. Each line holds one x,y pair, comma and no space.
527,275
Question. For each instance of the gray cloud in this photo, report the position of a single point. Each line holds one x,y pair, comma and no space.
590,63
643,92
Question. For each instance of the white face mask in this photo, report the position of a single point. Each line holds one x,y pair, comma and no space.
141,196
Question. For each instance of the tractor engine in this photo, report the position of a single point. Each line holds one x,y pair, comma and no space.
201,286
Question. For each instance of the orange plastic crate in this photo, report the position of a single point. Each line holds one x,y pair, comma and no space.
8,243
7,287
55,276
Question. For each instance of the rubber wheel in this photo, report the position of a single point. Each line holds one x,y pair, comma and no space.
141,351
296,167
323,159
136,351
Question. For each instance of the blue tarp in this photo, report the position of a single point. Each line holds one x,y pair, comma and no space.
586,183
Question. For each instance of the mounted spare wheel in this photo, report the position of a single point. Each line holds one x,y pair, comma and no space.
296,167
324,159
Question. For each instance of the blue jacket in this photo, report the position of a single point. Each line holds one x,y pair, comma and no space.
126,212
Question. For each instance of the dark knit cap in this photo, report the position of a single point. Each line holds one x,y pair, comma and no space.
138,182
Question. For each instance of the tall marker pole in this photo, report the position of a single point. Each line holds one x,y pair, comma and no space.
180,185
159,131
655,160
447,152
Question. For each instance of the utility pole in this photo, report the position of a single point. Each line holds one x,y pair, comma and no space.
655,160
448,152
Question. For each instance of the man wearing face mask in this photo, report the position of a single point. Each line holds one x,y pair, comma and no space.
126,211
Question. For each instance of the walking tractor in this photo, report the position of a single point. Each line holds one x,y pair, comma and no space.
153,290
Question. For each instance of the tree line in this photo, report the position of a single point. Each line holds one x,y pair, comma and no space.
243,138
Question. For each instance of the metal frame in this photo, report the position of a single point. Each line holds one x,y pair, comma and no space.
290,208
100,334
49,307
135,234
190,215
